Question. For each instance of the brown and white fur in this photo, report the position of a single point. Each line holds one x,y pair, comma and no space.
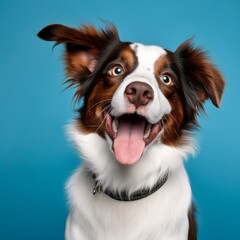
140,104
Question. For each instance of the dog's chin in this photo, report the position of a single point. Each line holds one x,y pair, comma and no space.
130,134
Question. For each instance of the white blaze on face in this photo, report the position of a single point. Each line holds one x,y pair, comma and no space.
130,140
159,106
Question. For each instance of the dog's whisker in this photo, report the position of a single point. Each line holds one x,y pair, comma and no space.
103,110
91,125
174,119
100,102
103,119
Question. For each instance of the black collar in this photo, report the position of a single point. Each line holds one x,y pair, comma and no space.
123,196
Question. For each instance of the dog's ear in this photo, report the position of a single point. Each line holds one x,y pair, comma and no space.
83,47
201,78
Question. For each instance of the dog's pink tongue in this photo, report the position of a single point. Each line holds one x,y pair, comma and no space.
129,143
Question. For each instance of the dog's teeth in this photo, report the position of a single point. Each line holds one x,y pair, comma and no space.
115,125
147,130
116,121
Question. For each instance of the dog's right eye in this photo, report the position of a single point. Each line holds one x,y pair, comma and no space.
116,71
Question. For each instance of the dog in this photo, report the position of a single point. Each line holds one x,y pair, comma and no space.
139,108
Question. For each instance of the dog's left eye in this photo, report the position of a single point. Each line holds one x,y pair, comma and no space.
166,79
116,71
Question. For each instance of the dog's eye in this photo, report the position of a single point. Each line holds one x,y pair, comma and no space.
116,71
166,79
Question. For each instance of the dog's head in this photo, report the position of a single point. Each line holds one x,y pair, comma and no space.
135,95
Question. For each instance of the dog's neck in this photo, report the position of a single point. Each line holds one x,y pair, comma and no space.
124,196
156,162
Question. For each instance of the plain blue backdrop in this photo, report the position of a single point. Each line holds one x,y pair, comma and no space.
35,157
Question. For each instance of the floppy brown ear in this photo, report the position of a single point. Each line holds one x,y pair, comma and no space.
80,51
201,76
83,47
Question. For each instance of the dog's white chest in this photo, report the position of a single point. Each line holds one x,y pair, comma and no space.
162,215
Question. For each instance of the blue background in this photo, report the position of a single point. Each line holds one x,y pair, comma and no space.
35,157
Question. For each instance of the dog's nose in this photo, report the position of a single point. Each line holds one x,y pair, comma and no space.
139,93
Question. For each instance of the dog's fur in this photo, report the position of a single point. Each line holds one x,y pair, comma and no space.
125,85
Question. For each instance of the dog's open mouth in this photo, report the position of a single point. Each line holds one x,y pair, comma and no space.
130,134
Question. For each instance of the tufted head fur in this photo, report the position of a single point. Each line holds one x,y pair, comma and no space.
169,88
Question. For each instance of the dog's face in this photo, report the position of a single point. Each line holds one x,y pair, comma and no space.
135,95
